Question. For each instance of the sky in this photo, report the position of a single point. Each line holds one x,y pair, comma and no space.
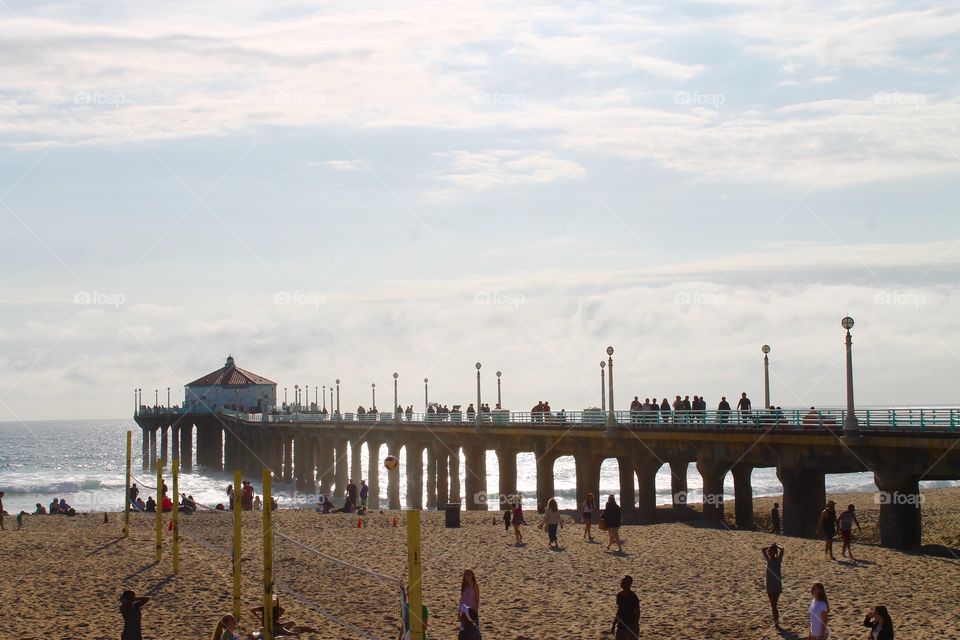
345,190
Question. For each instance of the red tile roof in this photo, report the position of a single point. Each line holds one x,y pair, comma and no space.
230,375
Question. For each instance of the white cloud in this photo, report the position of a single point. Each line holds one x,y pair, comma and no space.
340,165
483,170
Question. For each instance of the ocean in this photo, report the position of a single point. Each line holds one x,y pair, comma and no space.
83,462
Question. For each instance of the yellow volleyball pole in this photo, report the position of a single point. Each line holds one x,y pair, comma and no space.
159,519
126,490
175,470
267,558
414,594
237,512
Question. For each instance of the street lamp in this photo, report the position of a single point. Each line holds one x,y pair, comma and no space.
331,399
426,395
338,395
851,426
395,406
168,397
296,395
478,396
324,397
603,387
766,375
612,416
284,395
499,399
373,390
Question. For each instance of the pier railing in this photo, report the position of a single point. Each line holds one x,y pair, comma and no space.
893,420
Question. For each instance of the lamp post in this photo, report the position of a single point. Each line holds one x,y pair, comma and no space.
324,396
338,394
478,413
499,399
373,391
156,397
296,395
284,395
396,408
168,397
851,426
612,416
331,398
139,396
766,375
603,387
426,395
136,407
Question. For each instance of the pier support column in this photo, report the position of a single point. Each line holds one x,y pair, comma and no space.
300,451
588,477
804,496
628,497
414,475
373,474
287,458
216,447
743,497
175,442
153,449
341,468
356,462
277,441
455,476
443,474
475,475
431,479
186,446
545,488
145,449
393,478
507,464
678,483
230,449
323,456
900,499
646,470
712,474
164,445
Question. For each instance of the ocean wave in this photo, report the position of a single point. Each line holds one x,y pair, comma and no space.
54,487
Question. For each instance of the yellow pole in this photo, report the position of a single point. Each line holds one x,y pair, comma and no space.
175,469
237,512
267,558
160,463
126,490
415,594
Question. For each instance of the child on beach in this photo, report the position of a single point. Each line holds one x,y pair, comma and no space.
469,592
130,606
552,521
20,520
819,612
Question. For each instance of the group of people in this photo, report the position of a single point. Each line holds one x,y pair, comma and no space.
249,500
186,504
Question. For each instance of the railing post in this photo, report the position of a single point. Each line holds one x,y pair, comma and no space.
922,425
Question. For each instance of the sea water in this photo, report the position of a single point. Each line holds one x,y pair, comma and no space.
83,461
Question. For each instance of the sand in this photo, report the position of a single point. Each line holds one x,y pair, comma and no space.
62,577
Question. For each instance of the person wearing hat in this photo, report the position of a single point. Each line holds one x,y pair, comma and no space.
827,527
626,624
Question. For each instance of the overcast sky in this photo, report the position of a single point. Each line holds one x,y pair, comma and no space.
360,188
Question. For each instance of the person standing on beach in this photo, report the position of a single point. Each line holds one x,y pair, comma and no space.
613,516
626,624
130,606
827,527
847,519
588,508
469,592
2,528
552,521
775,518
819,613
134,493
364,494
516,521
773,579
881,626
230,496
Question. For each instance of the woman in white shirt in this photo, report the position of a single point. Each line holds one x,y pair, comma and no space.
819,611
588,507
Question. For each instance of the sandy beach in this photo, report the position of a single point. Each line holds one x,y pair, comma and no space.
62,576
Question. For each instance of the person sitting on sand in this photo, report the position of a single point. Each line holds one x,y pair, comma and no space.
881,626
773,579
257,504
552,521
166,504
40,510
281,628
613,516
626,624
226,629
141,505
55,506
819,613
66,509
151,506
130,606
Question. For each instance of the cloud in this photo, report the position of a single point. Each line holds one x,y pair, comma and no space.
487,169
340,165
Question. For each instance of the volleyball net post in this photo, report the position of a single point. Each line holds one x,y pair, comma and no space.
267,556
159,518
414,593
237,513
126,489
175,470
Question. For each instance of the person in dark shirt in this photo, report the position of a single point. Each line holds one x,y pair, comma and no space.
130,606
881,626
613,518
151,506
626,624
775,518
134,493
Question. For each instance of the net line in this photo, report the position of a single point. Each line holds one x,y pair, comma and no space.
379,576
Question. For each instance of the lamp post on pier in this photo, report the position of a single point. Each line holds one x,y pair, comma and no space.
296,395
156,397
851,426
478,413
499,399
136,407
396,407
603,387
139,397
338,394
324,397
331,398
766,376
284,395
373,390
426,395
168,397
612,416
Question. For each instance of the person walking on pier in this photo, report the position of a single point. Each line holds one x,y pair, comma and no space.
773,580
846,520
819,613
613,517
743,406
588,508
626,624
827,527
